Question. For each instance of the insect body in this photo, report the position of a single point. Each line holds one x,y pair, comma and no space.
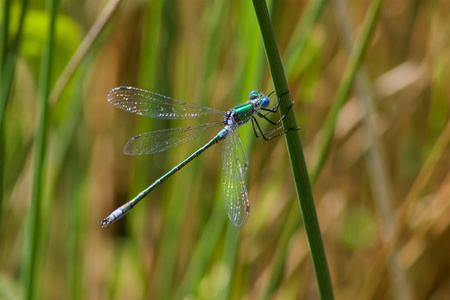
234,155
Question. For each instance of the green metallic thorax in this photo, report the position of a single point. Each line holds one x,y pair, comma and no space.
243,113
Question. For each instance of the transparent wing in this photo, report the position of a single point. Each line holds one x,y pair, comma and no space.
234,153
234,167
162,140
149,104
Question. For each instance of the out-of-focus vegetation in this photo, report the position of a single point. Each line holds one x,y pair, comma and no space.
382,196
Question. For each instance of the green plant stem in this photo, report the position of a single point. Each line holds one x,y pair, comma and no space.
375,160
8,57
87,44
31,276
345,86
5,88
295,154
4,32
295,49
278,263
3,93
202,253
297,44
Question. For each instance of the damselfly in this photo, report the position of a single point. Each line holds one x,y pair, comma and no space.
234,156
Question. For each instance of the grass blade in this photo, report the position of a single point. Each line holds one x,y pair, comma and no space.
298,42
295,49
295,154
7,67
202,252
345,86
36,224
375,160
86,46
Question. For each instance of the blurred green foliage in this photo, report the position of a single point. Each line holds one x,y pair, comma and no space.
68,38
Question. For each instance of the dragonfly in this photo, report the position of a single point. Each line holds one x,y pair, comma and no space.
234,156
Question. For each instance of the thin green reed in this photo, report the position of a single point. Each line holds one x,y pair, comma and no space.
345,86
4,32
8,57
250,73
216,13
70,156
375,161
33,253
295,154
173,207
297,44
203,252
363,42
135,225
294,50
147,78
3,94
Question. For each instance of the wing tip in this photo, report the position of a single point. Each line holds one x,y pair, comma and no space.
129,149
117,91
239,218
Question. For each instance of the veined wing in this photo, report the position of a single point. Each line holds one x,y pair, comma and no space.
234,191
162,140
149,104
234,153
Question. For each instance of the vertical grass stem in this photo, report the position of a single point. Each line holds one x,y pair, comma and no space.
295,154
8,57
35,233
346,85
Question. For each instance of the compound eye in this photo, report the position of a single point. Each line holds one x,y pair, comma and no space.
265,102
253,95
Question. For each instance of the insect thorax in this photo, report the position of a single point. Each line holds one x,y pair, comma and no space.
240,114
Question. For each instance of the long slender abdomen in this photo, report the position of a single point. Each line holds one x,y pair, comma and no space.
125,208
